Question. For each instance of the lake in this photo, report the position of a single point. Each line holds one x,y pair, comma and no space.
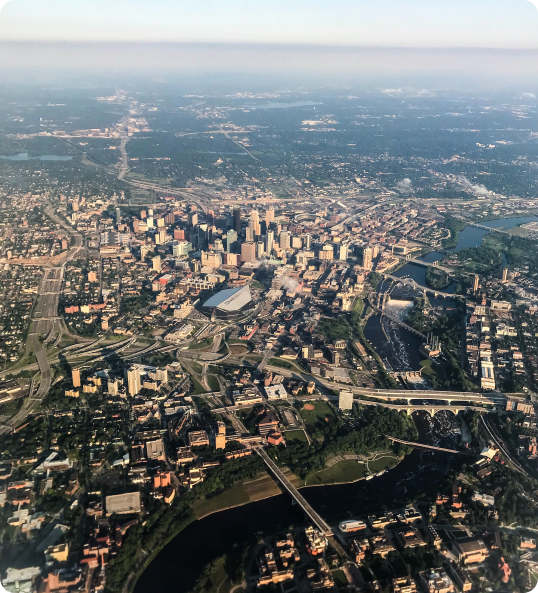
24,156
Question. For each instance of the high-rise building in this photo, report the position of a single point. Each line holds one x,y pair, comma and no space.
296,242
133,380
231,241
218,245
144,248
211,259
260,251
269,216
118,216
75,377
285,240
475,283
248,252
179,235
255,218
193,218
367,258
181,248
160,223
249,233
160,237
327,253
505,275
156,263
345,400
219,435
307,241
343,253
270,242
237,221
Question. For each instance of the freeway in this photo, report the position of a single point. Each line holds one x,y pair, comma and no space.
488,398
501,445
34,400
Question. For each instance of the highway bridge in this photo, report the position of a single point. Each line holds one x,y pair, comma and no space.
297,496
411,282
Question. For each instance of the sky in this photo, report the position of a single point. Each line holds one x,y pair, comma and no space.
446,43
380,23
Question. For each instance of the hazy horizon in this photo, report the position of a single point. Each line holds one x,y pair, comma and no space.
408,67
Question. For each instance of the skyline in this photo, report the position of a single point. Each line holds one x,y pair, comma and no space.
386,23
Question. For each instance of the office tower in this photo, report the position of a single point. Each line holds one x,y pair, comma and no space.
143,251
193,218
143,214
170,218
133,381
375,251
75,377
248,252
343,253
296,242
237,221
231,241
505,274
218,245
270,242
259,249
367,258
269,216
179,235
136,225
249,233
255,218
345,400
149,222
475,283
118,216
150,211
160,223
285,240
156,263
308,241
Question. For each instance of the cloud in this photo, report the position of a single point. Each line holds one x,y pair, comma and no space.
392,92
528,95
3,3
535,2
476,188
405,186
426,92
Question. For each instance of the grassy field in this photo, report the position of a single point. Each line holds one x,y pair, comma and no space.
294,437
340,578
282,364
358,306
213,383
198,387
319,416
203,344
349,470
239,494
382,463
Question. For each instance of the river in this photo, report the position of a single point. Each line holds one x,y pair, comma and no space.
177,567
397,347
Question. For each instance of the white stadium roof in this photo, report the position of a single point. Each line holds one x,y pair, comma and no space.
231,299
